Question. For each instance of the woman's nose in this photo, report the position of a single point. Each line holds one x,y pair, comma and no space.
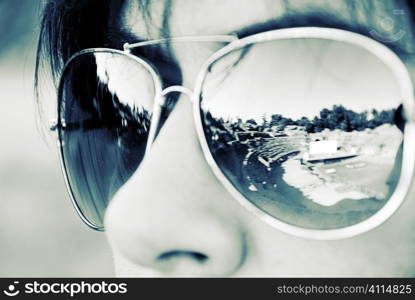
173,216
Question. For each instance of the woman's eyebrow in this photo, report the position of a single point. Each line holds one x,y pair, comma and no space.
318,20
302,20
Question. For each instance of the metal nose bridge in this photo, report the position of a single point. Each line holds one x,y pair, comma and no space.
179,89
156,110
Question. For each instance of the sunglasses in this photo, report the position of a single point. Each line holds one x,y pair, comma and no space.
310,129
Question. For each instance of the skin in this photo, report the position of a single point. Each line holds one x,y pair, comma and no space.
158,220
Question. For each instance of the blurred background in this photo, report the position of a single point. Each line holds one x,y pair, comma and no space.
40,233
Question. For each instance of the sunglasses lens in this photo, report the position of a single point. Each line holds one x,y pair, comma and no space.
308,130
105,108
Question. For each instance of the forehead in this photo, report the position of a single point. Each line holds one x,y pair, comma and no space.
388,21
204,17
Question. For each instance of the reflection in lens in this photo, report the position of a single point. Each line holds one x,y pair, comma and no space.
305,129
104,114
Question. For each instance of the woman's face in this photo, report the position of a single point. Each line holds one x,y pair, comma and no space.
174,218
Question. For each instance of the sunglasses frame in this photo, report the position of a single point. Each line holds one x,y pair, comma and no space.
383,53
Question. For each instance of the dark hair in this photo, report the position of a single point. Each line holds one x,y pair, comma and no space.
70,26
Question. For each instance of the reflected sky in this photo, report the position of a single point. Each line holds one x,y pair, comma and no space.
287,75
127,79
